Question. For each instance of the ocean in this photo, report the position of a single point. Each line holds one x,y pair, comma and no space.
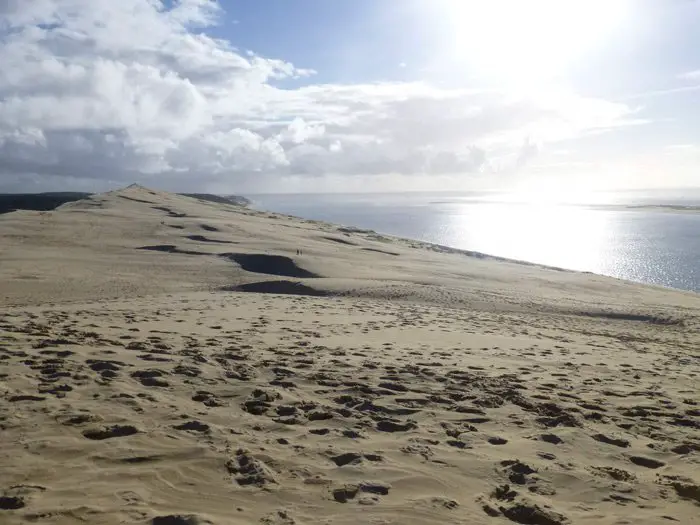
648,237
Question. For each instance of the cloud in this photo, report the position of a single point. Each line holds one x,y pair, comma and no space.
527,152
690,75
103,93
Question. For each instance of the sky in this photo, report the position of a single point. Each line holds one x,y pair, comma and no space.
557,97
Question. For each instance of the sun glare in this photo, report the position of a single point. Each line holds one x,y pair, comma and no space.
526,40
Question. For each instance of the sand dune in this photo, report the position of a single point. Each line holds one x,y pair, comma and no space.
170,360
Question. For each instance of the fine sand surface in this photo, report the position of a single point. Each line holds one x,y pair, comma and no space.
173,361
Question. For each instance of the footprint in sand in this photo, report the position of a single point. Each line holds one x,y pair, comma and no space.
618,442
151,377
643,461
110,432
249,470
11,502
194,426
180,519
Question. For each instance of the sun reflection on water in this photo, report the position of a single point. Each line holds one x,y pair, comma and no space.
565,236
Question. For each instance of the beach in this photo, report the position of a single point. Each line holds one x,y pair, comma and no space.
170,360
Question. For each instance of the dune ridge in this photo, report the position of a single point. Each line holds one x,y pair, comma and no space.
166,359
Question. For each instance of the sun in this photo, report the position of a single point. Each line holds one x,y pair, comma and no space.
526,40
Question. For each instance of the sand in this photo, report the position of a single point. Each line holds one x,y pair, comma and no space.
173,361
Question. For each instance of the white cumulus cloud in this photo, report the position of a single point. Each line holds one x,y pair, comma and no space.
690,75
103,92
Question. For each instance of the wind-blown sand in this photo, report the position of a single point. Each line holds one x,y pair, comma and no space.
172,361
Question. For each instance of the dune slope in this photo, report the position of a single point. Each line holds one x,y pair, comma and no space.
169,360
